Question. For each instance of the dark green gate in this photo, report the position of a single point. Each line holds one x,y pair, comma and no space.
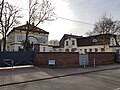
8,59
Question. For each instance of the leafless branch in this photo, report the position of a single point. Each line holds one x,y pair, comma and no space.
10,16
38,13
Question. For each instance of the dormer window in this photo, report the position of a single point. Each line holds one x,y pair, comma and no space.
112,41
94,40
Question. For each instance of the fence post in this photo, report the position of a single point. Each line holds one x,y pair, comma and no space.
94,62
12,63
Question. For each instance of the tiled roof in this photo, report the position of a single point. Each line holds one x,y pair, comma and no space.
95,40
30,27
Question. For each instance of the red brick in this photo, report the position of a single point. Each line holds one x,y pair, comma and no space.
62,58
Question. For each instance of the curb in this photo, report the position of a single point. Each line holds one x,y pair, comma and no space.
22,82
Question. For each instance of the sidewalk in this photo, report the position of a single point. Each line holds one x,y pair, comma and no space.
17,76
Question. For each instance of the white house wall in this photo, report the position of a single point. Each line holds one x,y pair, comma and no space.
82,49
10,42
95,48
15,44
44,48
99,47
57,50
70,46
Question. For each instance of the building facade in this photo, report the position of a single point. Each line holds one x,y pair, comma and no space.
96,43
35,36
69,43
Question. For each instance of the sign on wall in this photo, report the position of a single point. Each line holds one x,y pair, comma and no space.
51,62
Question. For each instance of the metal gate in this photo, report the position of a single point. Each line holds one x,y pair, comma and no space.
8,59
83,59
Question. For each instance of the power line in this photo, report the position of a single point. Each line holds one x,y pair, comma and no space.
74,20
68,19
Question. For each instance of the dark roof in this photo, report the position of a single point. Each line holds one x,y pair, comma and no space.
30,27
66,36
95,40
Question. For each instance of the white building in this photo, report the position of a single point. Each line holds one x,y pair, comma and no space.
36,36
96,43
68,43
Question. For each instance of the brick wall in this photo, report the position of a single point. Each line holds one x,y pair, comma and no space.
102,57
63,59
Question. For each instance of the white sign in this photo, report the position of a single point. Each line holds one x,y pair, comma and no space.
51,62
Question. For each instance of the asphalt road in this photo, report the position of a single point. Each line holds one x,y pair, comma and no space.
103,80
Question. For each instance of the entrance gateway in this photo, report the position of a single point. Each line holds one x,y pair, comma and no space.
10,59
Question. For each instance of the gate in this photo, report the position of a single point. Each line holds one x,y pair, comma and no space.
83,59
9,59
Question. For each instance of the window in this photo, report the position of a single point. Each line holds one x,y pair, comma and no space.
42,39
90,50
96,50
66,43
67,50
73,49
73,42
112,41
94,40
85,50
102,49
80,49
44,49
20,38
60,50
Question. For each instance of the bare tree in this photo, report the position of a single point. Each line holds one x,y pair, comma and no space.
1,9
10,15
106,25
38,13
54,42
89,33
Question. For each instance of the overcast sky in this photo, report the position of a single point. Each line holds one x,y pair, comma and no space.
87,11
